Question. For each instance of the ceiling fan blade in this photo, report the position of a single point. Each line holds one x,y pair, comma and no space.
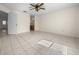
37,6
32,5
42,8
41,4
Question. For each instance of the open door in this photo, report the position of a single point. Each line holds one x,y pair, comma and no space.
32,23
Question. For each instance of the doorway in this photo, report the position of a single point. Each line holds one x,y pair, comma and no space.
32,23
3,22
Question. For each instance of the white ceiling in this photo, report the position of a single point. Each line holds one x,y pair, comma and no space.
49,7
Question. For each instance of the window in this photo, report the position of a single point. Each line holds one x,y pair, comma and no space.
3,22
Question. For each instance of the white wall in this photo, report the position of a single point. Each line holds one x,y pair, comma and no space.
37,23
12,21
23,22
64,22
18,22
3,8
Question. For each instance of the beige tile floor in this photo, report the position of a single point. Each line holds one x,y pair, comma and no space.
26,44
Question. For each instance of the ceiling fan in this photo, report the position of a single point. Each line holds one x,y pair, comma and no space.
37,6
